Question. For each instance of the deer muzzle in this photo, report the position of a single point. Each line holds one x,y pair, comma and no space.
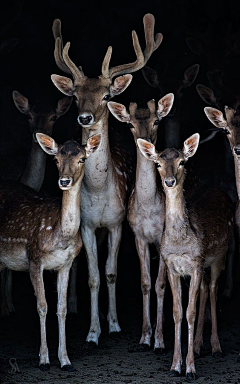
85,119
170,182
65,183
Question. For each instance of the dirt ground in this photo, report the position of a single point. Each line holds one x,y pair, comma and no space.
116,359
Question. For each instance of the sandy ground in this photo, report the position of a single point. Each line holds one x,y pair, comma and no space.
116,359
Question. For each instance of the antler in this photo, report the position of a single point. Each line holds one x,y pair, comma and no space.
65,64
142,58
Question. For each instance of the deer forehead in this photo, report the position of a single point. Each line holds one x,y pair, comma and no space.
96,86
170,154
70,149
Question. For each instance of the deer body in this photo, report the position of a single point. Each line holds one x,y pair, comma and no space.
146,208
106,180
40,233
195,237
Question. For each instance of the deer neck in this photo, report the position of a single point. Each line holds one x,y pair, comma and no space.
98,168
146,179
70,211
237,174
177,221
34,173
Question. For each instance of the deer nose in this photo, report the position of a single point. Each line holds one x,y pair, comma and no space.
85,119
65,182
237,149
170,181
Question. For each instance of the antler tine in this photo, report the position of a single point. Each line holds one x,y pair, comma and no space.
56,28
106,61
75,71
151,46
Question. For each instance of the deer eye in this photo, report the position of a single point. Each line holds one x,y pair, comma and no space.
130,125
56,161
29,117
53,118
106,97
158,165
156,122
81,161
182,163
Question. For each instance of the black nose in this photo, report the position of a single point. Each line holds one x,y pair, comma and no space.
64,182
85,119
237,150
170,181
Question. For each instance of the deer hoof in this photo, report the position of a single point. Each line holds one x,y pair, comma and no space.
160,351
174,373
143,348
217,355
44,367
89,345
68,368
191,376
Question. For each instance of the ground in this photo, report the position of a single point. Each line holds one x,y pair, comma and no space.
116,359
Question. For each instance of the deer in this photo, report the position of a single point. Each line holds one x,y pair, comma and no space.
195,236
106,181
39,233
146,197
41,118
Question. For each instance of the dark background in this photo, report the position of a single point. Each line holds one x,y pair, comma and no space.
91,27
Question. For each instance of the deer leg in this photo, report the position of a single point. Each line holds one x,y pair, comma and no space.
3,302
198,342
160,291
62,286
176,288
72,288
215,272
230,259
36,275
191,315
144,257
90,244
114,238
9,296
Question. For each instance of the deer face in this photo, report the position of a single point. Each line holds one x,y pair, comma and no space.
41,116
231,125
91,95
170,162
70,157
143,122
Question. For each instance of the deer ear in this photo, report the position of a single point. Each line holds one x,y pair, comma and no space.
47,143
147,149
150,76
190,146
63,106
64,84
190,75
21,102
92,144
194,45
216,117
120,84
165,105
206,94
119,111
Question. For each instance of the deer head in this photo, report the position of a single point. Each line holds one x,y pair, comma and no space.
70,157
92,94
143,122
230,125
170,162
41,116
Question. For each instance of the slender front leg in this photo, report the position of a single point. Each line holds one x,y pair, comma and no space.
62,286
114,238
144,257
72,288
229,262
36,275
198,342
89,241
160,291
216,347
176,288
9,295
191,315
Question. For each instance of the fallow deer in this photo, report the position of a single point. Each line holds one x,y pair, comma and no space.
195,236
41,118
146,208
38,234
105,184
